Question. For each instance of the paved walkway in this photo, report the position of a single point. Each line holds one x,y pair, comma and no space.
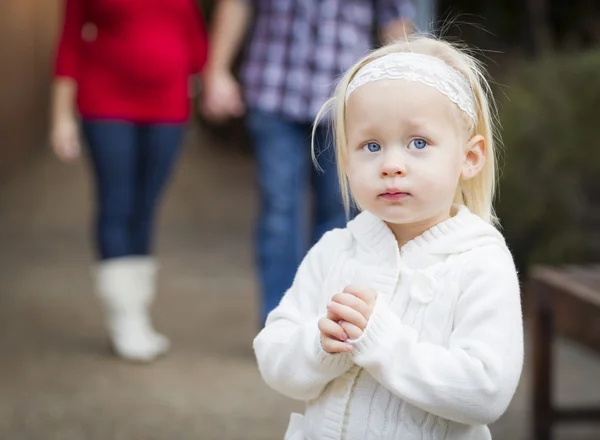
57,378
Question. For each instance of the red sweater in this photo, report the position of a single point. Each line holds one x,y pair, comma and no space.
132,59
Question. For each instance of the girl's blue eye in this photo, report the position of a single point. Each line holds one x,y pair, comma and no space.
373,147
419,144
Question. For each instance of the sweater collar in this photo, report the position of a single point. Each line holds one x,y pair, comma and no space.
461,232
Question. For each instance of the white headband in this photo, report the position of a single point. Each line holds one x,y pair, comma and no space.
425,69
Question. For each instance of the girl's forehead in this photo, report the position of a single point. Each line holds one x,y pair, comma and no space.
394,101
396,92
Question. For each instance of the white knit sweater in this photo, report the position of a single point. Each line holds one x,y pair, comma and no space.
441,355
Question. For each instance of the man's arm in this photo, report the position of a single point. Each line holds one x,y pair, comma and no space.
222,98
230,23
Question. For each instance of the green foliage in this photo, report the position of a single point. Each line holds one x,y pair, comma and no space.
549,200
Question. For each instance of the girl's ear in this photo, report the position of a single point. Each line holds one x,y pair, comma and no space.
476,152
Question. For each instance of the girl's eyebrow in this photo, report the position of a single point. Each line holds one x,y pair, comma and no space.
364,129
416,123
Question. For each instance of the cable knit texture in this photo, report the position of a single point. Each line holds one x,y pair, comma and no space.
441,355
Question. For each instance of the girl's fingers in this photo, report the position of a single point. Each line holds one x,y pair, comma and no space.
351,330
352,301
348,314
333,346
332,329
359,292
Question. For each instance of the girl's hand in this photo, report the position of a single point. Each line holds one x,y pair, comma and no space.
353,307
333,336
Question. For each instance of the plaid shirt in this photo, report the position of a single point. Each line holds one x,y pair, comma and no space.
298,49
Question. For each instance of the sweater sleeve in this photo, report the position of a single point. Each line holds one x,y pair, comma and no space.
473,380
70,40
198,36
288,349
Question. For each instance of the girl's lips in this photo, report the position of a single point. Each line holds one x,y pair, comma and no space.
394,195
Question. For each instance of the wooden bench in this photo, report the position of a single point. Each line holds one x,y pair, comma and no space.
565,300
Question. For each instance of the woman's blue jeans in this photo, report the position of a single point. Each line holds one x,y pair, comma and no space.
131,164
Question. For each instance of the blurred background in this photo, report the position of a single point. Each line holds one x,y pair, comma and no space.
58,380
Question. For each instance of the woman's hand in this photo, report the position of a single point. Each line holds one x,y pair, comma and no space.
64,138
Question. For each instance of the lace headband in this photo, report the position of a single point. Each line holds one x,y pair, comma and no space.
425,69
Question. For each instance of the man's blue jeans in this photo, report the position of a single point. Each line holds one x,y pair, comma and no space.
285,176
131,164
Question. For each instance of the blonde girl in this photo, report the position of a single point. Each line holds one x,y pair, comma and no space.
406,324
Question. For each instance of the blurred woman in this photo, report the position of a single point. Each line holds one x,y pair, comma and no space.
122,68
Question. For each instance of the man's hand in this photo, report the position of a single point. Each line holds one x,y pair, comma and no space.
221,97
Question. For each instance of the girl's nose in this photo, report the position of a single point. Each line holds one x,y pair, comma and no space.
393,166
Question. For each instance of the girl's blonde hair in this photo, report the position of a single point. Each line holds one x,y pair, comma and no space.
477,193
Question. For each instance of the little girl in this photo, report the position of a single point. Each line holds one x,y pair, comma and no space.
407,324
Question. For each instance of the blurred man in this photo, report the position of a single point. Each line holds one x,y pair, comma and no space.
295,52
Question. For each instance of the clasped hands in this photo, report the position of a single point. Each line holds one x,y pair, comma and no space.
347,316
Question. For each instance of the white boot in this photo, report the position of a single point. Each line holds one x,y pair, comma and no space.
126,288
147,269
